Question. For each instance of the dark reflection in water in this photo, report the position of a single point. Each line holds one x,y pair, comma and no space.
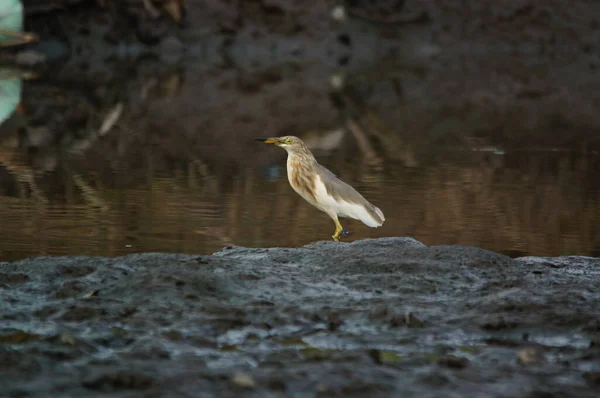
173,168
526,203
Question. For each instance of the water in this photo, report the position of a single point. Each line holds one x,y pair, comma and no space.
164,160
498,202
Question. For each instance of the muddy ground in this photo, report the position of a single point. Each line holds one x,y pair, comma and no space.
380,318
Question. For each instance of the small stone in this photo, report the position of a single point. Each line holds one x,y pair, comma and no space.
530,355
322,388
91,293
243,380
67,338
385,357
337,80
339,14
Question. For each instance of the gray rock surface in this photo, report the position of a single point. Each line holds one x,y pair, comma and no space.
377,317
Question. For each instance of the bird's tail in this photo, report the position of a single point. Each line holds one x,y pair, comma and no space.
380,214
374,217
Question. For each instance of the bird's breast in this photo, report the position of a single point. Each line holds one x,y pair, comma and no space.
300,179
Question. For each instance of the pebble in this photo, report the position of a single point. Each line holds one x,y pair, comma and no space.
243,380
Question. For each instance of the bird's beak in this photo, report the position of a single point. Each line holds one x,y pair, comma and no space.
274,141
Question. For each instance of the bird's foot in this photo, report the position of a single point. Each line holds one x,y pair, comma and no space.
337,234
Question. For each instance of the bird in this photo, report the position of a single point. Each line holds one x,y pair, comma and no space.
322,188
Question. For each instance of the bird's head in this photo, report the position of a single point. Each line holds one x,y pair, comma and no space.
288,142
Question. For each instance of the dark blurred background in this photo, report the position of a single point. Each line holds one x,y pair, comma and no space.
128,125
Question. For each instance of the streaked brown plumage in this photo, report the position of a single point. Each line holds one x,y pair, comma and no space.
323,189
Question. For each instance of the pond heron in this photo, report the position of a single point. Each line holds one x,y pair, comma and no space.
323,189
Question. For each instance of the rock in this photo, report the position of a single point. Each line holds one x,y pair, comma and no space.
352,318
386,357
243,380
339,14
530,355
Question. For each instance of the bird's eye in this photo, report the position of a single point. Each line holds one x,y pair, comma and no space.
288,141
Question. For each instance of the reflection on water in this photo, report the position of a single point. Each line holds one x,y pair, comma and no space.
526,203
85,172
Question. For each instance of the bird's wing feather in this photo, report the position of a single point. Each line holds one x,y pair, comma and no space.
341,191
337,187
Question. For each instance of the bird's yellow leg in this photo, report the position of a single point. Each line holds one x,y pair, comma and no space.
338,230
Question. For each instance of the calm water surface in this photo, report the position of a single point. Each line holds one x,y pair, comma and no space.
497,202
162,172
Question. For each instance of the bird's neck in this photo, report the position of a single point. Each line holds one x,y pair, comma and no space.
303,155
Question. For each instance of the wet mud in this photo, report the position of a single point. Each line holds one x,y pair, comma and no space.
378,317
